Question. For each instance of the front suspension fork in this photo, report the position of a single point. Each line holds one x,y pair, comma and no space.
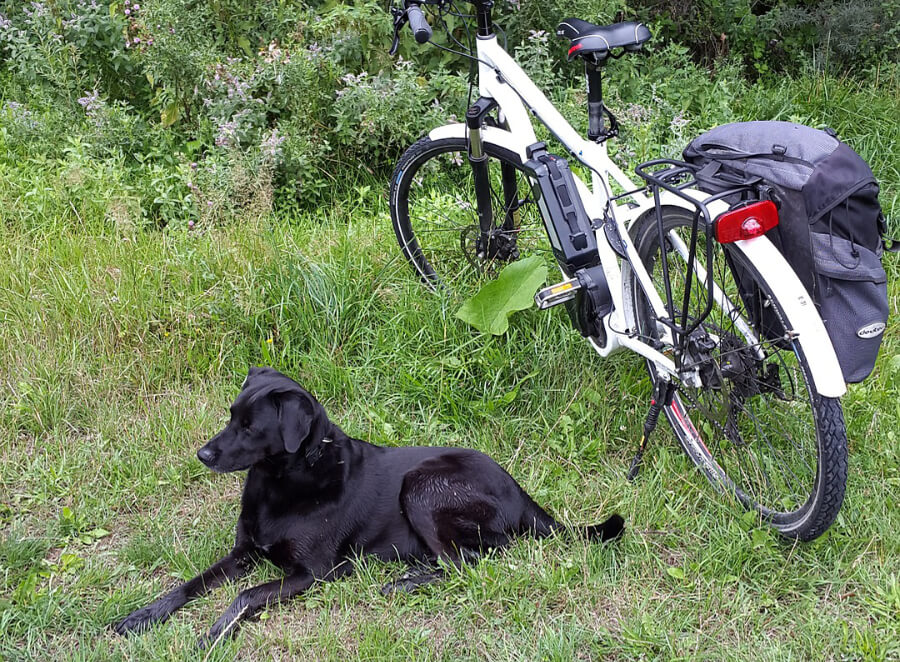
478,160
510,179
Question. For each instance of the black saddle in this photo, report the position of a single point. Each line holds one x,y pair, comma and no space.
596,42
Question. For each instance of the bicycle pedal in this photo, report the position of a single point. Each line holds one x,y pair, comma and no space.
557,294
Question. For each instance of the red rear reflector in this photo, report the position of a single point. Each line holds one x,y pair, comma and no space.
576,47
746,222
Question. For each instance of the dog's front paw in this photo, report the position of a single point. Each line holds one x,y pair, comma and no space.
139,620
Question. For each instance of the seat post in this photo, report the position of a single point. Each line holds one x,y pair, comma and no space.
596,123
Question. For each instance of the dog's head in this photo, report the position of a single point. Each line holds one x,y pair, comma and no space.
272,416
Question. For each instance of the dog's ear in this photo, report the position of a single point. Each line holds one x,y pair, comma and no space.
251,371
302,419
295,421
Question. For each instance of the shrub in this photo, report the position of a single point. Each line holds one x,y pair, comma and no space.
69,45
220,109
262,97
836,35
782,34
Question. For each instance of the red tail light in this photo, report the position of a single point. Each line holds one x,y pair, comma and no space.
746,222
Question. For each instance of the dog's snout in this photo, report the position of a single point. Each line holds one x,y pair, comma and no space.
206,455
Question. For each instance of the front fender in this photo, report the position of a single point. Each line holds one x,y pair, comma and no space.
490,134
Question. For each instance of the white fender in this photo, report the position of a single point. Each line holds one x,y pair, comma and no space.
499,137
801,313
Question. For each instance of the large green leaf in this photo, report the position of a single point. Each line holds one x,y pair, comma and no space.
512,290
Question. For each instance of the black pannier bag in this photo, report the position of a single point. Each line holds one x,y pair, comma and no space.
830,227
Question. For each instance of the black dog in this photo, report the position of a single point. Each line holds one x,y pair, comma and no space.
315,498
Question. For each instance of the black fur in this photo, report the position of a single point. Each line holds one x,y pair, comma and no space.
314,498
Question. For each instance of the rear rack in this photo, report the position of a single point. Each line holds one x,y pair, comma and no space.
676,177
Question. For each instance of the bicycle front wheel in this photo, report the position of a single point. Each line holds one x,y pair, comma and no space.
435,216
754,423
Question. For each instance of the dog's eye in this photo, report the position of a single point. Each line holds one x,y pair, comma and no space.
245,423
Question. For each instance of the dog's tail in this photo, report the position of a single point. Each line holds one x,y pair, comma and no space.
609,530
539,523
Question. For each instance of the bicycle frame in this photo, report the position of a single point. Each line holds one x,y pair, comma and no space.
517,97
501,79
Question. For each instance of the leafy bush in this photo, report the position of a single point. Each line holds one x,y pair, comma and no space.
837,35
69,45
784,34
267,100
534,57
223,108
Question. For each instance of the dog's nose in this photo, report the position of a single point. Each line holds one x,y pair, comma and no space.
206,455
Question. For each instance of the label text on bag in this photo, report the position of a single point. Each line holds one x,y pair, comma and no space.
871,330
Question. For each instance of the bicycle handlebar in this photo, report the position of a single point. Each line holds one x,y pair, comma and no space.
418,23
412,14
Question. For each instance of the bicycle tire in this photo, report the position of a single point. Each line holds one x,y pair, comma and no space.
434,214
738,456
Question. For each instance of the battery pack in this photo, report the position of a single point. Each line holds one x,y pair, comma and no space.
568,226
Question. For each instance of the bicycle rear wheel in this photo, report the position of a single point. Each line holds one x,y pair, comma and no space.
435,217
755,426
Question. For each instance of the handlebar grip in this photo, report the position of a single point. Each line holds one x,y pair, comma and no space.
418,24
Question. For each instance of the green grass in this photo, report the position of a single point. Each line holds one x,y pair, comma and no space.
121,349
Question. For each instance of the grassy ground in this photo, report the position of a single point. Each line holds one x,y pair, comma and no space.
120,350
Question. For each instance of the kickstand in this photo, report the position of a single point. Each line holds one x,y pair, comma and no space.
665,391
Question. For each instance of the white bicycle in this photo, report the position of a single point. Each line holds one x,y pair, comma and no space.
739,358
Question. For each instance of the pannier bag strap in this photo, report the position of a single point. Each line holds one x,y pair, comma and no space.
778,153
714,178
